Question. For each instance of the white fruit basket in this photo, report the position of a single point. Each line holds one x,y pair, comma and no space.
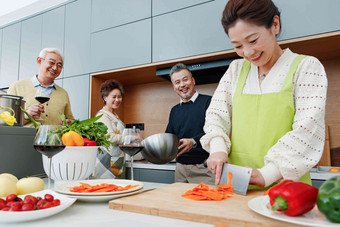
72,163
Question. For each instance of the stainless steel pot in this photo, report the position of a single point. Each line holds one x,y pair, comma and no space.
14,102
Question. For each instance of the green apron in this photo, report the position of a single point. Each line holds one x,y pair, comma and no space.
259,121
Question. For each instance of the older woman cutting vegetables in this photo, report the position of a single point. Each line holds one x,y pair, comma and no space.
271,102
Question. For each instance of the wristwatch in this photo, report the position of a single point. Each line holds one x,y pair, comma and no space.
194,143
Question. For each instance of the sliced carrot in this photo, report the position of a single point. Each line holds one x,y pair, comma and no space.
87,188
203,192
230,179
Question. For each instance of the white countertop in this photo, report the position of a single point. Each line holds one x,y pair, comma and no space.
86,214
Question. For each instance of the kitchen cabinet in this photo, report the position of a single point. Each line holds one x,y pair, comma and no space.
122,46
107,13
10,54
77,38
79,95
30,47
0,50
53,29
189,32
308,17
145,171
165,6
18,156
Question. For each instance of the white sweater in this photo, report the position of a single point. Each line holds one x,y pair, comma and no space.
300,149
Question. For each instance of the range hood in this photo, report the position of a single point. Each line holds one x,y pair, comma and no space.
204,73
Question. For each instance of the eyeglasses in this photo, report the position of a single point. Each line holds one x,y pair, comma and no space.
52,62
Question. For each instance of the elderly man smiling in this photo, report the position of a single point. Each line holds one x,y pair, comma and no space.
50,62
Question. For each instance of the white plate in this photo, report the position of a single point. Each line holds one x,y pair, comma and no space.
102,198
313,218
11,216
65,188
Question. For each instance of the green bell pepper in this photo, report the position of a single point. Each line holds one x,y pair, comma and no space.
328,200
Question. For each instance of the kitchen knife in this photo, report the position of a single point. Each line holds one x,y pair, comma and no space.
241,177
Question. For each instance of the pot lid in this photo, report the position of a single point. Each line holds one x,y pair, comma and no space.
11,96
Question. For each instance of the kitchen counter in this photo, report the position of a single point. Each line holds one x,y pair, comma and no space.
98,214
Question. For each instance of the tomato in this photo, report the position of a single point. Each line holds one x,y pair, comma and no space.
2,205
56,202
41,203
49,197
30,199
5,209
27,207
2,201
15,206
11,197
47,205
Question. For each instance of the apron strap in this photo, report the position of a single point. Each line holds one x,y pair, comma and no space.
288,83
242,78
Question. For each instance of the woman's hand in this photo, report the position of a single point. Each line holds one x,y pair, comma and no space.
256,178
215,164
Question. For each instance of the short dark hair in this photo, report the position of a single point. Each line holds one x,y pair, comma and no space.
178,67
108,86
259,12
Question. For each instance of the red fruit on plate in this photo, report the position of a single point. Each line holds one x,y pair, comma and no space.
27,207
11,197
30,199
2,205
56,202
49,197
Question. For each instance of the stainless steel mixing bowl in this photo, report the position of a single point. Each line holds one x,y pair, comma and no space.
160,148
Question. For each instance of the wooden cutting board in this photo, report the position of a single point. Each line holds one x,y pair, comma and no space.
166,201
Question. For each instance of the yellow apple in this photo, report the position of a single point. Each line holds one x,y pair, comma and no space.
28,185
10,176
7,186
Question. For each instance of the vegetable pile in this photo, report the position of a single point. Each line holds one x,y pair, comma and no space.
81,133
87,188
203,192
14,203
293,198
328,200
89,128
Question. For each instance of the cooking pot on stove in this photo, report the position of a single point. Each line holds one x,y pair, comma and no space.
14,102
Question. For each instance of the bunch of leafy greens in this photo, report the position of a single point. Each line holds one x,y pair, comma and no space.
90,129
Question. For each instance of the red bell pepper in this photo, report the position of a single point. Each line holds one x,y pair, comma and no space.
293,198
88,142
